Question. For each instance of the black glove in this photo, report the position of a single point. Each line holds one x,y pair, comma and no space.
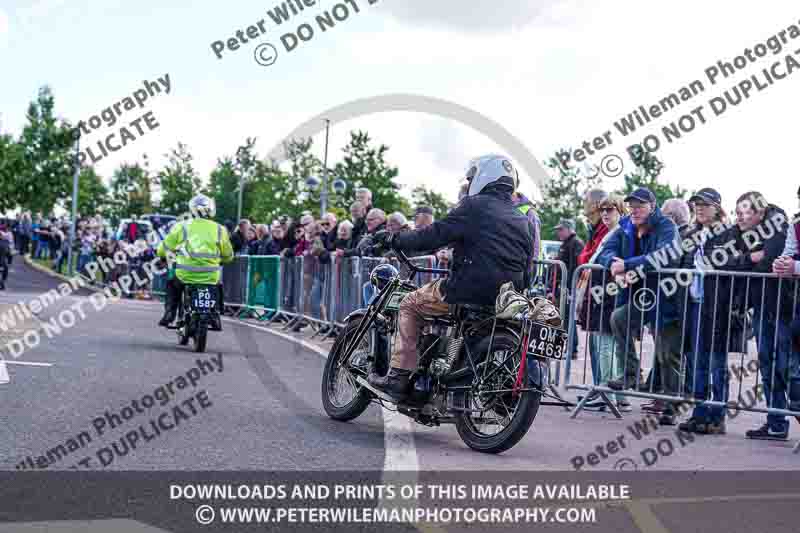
383,240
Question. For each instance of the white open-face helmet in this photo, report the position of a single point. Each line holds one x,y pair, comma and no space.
202,206
490,169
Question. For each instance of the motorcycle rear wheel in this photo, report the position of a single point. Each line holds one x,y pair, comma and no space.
514,415
338,375
200,336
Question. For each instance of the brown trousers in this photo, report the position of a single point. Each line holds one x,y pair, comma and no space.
425,301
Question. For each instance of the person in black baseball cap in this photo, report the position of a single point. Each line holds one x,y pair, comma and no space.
709,332
643,195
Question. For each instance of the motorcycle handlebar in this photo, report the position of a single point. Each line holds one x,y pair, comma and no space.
418,270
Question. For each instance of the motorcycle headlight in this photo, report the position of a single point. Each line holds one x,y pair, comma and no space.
381,275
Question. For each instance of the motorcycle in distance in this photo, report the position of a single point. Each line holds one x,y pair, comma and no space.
480,371
198,313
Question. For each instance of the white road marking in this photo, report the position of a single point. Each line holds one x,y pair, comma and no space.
4,377
26,363
401,452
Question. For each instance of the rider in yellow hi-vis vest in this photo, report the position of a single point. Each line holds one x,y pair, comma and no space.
200,246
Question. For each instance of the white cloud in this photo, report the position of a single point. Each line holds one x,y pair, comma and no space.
474,16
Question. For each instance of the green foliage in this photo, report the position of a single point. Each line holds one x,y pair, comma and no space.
179,182
131,191
563,196
648,169
424,196
222,187
11,167
365,166
92,193
47,148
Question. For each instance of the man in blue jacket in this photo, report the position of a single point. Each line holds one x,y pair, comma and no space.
640,246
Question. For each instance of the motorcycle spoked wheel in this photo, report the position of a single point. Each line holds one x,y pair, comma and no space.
342,397
503,418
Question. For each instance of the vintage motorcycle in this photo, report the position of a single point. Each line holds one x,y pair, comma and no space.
198,313
481,372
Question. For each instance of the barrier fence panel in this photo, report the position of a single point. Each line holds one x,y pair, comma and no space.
346,288
315,281
291,285
159,287
264,278
692,330
548,283
234,281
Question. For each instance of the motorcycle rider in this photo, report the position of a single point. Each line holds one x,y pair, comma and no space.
492,245
200,246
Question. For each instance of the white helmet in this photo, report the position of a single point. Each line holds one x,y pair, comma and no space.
488,169
202,206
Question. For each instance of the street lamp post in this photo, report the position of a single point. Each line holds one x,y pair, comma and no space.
74,204
324,195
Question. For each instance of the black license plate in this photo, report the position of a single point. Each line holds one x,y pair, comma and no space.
204,300
547,341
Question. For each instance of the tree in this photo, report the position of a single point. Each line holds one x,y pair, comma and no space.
179,181
92,193
12,165
222,187
48,157
563,196
365,166
648,169
421,195
131,191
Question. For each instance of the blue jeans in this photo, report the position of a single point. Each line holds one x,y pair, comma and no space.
698,371
774,361
83,260
595,350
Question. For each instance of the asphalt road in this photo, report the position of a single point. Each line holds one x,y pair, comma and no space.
265,410
256,407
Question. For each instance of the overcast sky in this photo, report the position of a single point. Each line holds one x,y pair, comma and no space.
553,73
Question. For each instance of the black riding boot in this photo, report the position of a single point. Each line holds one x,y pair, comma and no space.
395,382
171,299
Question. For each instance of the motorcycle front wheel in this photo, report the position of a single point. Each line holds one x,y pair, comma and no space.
498,419
342,397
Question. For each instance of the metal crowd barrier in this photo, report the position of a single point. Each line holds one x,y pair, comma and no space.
694,321
345,288
234,281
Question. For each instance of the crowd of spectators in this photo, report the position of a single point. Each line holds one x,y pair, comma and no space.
46,239
696,316
326,240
